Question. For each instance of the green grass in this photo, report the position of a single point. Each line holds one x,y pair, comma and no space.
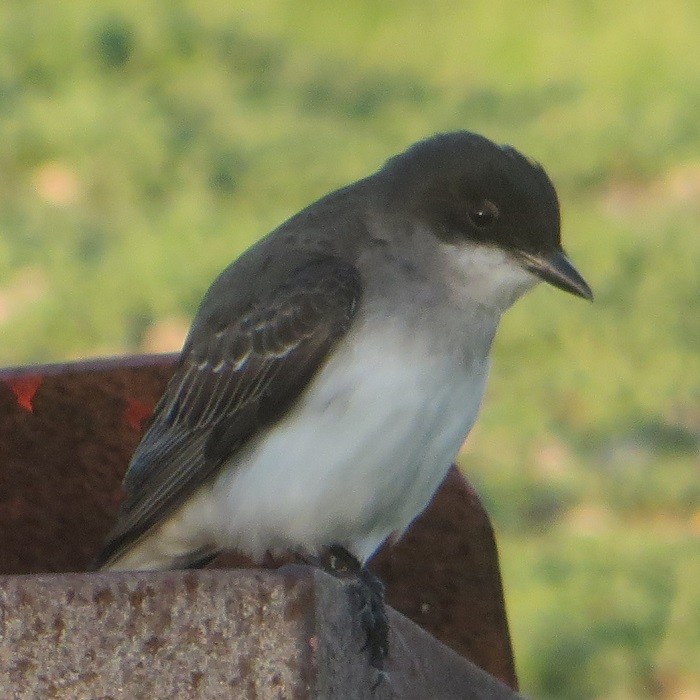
619,625
144,145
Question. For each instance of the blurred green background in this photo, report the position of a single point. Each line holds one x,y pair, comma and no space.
143,145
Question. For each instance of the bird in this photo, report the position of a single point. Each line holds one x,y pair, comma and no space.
333,371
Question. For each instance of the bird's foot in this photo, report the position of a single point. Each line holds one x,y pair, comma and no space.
367,597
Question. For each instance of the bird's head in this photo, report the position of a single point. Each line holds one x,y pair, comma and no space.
489,200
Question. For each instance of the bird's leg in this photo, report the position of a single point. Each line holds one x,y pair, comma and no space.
367,595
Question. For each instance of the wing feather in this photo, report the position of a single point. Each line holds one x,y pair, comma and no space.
238,373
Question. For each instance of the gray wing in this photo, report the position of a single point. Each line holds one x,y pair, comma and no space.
237,374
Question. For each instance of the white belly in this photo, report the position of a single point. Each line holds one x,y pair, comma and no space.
359,457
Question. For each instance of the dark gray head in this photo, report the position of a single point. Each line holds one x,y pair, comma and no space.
467,188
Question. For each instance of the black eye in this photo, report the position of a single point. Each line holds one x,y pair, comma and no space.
483,214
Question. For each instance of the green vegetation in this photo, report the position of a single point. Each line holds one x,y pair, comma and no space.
143,145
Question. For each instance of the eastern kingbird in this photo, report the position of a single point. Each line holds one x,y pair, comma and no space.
333,371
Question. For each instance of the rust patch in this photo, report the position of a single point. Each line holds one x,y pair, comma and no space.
59,627
24,388
103,598
88,677
196,678
276,680
192,635
13,509
297,605
191,586
137,597
38,626
136,412
153,645
20,669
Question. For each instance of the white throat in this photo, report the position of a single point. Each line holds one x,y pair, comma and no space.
485,275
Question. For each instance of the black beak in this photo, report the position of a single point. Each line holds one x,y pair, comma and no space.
556,269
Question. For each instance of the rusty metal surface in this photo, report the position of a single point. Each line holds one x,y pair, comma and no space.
64,446
66,434
170,635
211,634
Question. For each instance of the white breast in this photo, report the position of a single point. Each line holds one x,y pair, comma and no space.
360,455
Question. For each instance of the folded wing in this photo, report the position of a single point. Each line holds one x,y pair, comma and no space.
239,371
